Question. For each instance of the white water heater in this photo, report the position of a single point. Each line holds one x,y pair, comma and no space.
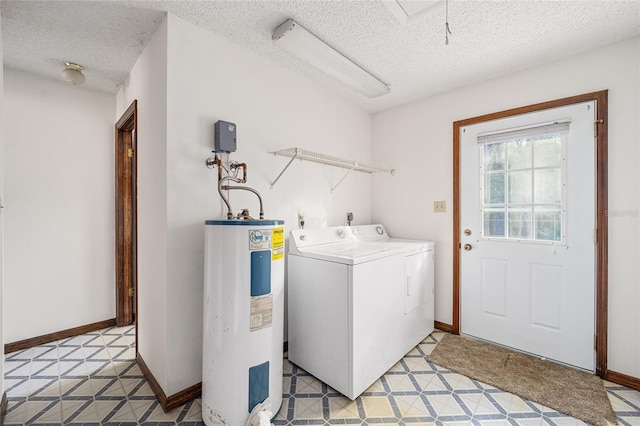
243,319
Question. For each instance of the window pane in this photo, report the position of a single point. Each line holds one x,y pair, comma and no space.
494,188
548,224
493,222
548,152
520,187
494,156
523,188
519,154
519,223
548,186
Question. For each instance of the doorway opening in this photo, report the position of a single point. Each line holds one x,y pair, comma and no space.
126,217
600,190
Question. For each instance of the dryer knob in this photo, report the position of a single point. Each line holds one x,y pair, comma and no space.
379,230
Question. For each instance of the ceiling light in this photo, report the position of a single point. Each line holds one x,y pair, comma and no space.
292,37
72,73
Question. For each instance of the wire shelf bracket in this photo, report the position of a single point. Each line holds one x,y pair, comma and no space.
316,157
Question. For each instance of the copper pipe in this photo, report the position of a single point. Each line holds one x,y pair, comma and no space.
246,188
242,166
235,167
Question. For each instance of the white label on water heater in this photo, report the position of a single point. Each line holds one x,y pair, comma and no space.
261,312
259,239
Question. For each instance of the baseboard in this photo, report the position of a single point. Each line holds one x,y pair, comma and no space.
624,380
168,403
58,335
153,383
443,326
182,397
3,407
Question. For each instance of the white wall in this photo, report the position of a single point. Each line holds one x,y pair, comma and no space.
148,84
273,109
417,139
58,197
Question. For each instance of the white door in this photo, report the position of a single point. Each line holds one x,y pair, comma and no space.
527,222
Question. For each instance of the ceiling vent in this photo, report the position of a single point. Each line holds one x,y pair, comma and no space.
408,11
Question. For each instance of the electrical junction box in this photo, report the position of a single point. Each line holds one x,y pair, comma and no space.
225,136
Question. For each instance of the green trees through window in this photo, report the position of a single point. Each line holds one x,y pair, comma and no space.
522,188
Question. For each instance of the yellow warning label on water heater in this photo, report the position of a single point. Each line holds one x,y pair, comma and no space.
277,243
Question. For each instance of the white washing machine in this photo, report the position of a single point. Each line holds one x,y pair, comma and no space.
356,305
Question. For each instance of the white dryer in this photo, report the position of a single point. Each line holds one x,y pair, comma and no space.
419,271
356,306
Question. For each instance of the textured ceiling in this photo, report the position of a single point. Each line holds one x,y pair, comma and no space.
106,38
490,38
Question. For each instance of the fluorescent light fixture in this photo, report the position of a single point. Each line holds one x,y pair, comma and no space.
292,37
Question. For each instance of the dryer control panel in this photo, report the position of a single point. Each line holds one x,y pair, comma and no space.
370,232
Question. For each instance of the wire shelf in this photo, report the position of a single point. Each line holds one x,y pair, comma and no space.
303,154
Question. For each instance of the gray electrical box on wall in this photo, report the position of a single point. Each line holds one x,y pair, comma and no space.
225,136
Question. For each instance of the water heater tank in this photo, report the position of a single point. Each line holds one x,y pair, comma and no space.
243,319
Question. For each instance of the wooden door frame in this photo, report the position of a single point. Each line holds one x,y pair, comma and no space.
126,217
601,273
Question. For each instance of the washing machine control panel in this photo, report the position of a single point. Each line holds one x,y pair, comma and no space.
310,237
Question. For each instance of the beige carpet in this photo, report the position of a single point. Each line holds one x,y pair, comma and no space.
569,391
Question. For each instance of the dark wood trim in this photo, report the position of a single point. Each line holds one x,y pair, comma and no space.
3,407
153,383
602,236
624,380
601,275
125,214
127,121
184,396
443,326
455,321
58,335
172,401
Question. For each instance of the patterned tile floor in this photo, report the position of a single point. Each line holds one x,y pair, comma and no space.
93,379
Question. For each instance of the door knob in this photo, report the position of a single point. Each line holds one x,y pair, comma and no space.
467,247
467,232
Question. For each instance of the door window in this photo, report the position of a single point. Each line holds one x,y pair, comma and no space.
522,178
